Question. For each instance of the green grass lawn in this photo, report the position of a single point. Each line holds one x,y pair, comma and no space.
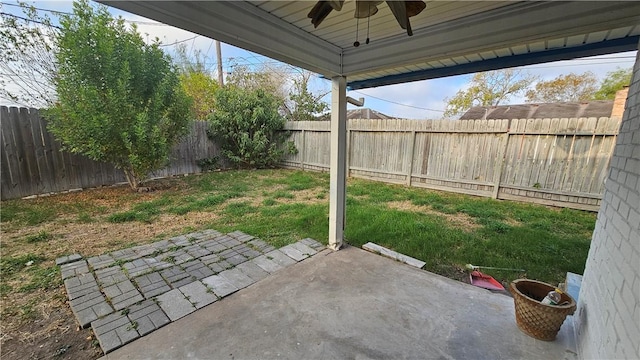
445,230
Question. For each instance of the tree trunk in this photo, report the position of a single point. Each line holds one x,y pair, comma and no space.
131,179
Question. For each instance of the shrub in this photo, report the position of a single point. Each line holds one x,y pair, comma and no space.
247,126
119,99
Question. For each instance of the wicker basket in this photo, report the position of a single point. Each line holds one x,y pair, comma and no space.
535,319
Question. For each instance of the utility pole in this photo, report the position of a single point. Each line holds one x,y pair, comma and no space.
219,53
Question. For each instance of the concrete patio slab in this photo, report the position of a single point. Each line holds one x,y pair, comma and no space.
351,304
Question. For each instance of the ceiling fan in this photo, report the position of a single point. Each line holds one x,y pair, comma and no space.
402,10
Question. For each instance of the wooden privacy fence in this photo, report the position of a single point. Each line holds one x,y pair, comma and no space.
560,162
32,161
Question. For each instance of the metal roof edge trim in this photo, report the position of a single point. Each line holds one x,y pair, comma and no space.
629,43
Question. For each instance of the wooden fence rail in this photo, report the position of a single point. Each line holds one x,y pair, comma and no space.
560,162
32,161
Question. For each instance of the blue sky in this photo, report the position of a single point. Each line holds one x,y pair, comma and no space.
416,100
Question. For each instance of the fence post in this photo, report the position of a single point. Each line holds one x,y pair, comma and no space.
302,146
499,165
411,154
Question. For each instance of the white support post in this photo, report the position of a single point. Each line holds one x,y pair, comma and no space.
338,176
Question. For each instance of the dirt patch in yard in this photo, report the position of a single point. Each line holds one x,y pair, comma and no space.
40,325
52,333
459,220
98,237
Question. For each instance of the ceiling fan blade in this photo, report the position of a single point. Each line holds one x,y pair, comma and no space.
322,9
415,7
336,4
399,10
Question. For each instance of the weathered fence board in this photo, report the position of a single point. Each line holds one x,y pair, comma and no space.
561,162
32,161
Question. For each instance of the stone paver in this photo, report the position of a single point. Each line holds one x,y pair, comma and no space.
196,251
74,269
198,294
148,316
111,275
280,258
252,270
68,259
260,245
90,307
122,294
144,266
266,264
175,305
101,261
114,330
131,292
176,277
237,278
80,286
240,236
220,286
210,259
151,285
293,252
124,255
375,248
304,249
197,269
312,243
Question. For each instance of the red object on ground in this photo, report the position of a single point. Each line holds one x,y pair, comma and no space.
484,281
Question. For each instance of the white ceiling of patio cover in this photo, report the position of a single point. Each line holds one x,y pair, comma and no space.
446,33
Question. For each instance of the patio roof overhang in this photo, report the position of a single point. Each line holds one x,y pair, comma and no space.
449,38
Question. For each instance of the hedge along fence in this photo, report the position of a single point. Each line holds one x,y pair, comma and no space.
32,161
559,162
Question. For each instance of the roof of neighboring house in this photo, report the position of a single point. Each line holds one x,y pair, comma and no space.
366,113
360,113
595,108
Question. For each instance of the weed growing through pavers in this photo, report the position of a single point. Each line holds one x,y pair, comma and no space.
132,326
170,259
119,262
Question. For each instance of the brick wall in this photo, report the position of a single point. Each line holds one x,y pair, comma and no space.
608,317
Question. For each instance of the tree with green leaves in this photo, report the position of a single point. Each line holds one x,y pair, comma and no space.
490,88
201,88
248,127
196,81
564,88
613,81
304,105
119,99
27,61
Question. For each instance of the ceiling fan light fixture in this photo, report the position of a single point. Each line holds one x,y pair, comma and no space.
365,9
